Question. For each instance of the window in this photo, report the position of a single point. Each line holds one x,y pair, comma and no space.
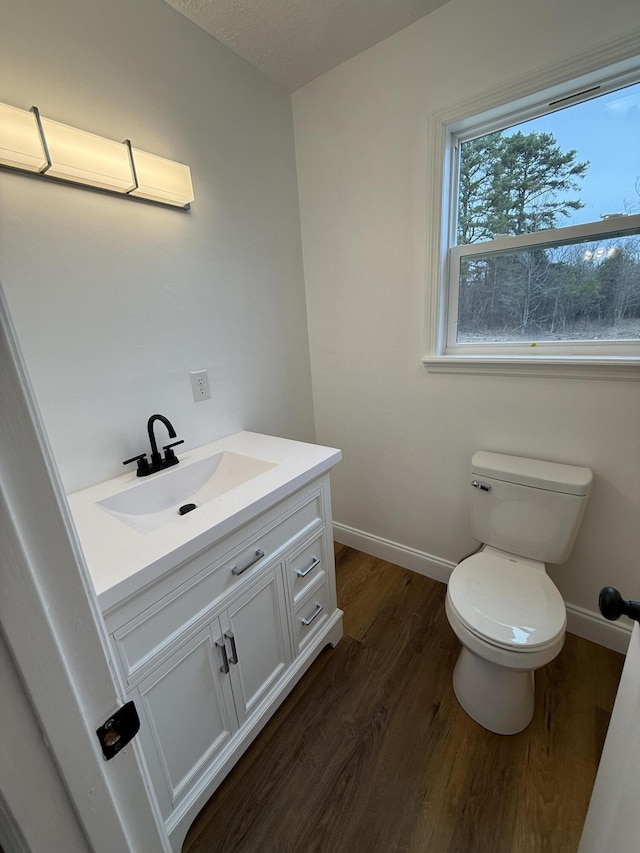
542,256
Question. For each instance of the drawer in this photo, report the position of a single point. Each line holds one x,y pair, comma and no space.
310,615
306,566
150,633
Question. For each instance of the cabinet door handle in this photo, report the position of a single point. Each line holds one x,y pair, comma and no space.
242,567
233,657
314,615
302,573
225,660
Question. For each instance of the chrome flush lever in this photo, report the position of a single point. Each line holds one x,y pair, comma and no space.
484,487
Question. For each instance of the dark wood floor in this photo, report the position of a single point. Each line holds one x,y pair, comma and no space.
372,754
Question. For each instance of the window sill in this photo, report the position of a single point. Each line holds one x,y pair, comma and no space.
577,367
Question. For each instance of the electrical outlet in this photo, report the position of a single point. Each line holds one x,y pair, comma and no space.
200,385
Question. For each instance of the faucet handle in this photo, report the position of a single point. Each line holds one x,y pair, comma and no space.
143,463
169,455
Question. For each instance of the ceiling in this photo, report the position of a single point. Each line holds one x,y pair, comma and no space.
294,41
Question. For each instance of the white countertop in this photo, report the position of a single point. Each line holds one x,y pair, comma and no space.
122,560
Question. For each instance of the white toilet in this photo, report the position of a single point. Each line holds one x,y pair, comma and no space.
504,608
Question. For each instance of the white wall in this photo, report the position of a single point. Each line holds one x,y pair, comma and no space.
407,435
115,301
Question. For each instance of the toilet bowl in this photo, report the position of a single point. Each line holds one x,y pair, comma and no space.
511,620
504,608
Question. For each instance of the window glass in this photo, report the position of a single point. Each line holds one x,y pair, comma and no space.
576,165
575,292
574,171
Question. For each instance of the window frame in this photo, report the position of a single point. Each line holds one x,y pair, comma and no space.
553,89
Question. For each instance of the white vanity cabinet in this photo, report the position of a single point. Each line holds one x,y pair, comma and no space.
188,715
209,649
207,687
256,646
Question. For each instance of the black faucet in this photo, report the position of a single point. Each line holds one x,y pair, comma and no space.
158,462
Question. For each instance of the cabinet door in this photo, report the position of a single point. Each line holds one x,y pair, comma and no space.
257,637
190,715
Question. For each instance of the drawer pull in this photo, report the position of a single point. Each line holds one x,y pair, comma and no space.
302,573
233,657
242,567
225,660
315,614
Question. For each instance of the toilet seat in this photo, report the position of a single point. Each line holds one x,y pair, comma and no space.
507,601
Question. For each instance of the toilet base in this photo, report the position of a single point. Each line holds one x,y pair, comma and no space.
499,699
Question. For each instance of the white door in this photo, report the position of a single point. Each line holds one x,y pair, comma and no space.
613,819
54,630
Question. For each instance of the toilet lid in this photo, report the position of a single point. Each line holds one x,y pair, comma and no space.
509,601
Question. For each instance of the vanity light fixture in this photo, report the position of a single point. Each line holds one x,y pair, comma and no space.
158,179
21,145
33,143
85,158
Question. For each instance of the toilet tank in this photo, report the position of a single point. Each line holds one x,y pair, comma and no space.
526,506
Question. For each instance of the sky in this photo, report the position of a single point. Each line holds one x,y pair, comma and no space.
606,132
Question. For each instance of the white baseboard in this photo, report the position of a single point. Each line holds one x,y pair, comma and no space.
584,623
393,552
592,626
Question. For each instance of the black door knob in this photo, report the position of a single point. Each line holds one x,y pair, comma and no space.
612,605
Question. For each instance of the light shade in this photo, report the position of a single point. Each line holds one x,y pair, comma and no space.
30,142
20,141
162,180
84,158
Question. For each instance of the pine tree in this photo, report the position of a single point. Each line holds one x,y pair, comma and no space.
515,184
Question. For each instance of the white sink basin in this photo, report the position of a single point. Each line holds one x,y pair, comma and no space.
155,502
